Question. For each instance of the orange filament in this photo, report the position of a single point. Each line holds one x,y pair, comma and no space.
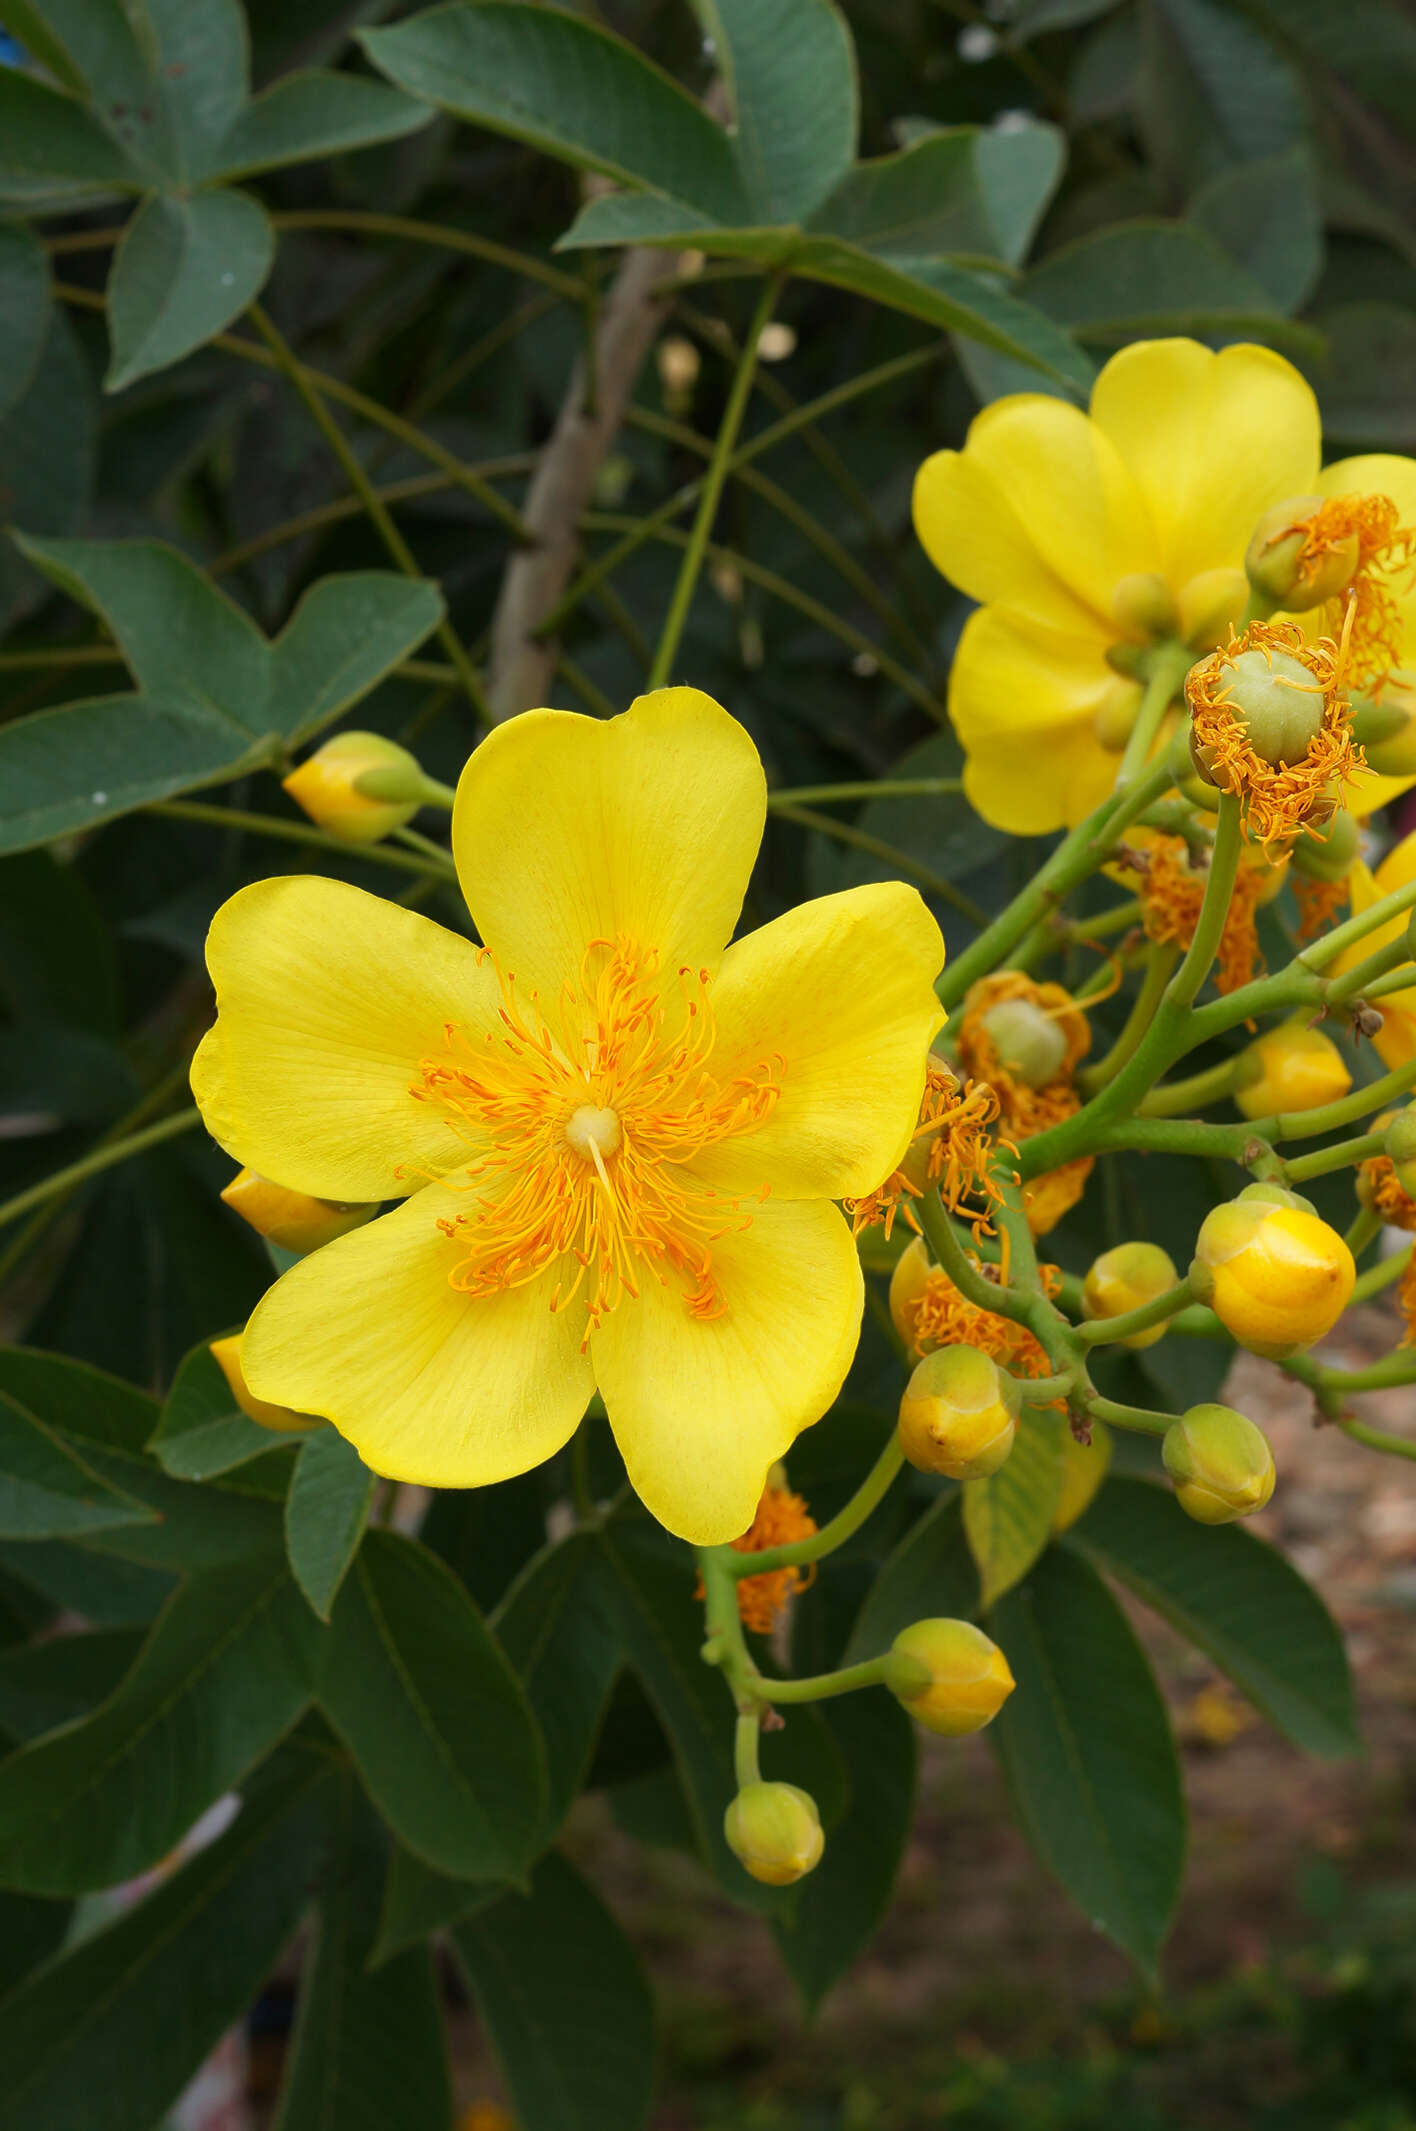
938,1315
580,1135
951,1148
1025,1111
1320,903
1383,545
1406,1303
1172,892
1383,1192
782,1518
1279,799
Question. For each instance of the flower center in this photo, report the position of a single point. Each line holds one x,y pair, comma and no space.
581,1130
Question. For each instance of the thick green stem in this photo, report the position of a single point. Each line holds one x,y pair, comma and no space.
1141,1420
1209,926
746,1736
842,1526
1160,965
101,1158
1341,1156
1105,1331
1169,663
1353,983
712,489
820,1686
1180,1098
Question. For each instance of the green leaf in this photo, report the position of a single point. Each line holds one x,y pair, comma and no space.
1365,388
1214,89
568,87
1018,172
31,1930
790,74
199,54
368,2050
325,1514
51,152
311,114
956,190
1152,277
1085,1743
24,310
843,1900
47,1491
76,1399
930,1576
184,268
418,1901
48,444
46,1684
66,1577
80,2042
558,1628
1008,1517
223,1676
1238,1600
203,1432
432,1713
214,696
1032,18
565,2004
1266,216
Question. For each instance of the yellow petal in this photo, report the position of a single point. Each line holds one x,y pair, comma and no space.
974,537
571,829
842,990
1023,699
701,1410
1382,473
327,999
1212,440
428,1384
1395,1041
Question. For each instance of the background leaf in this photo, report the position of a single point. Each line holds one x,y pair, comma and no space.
325,1514
1008,1517
184,269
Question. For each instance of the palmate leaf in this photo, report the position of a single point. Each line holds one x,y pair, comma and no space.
24,310
184,268
214,697
789,73
325,1514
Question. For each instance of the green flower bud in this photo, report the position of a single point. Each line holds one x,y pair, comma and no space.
1220,1463
1115,714
1278,703
1401,1148
1330,853
333,785
1278,564
958,1414
1031,1045
1127,1278
1385,726
774,1831
1210,606
948,1675
1144,607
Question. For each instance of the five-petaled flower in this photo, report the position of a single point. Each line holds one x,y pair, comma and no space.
616,1139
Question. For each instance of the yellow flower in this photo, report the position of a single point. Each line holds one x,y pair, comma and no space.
226,1353
1376,474
1047,513
616,1141
1395,1041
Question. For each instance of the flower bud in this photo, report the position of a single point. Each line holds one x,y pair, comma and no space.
226,1353
1401,1148
1329,853
1144,608
907,1283
1275,1275
1031,1044
1220,1463
359,787
948,1675
774,1830
1386,726
1297,1069
1115,713
1279,567
959,1414
1276,701
1127,1278
1210,606
291,1219
1084,1467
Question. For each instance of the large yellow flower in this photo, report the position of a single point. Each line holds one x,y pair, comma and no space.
618,1142
1047,511
1395,1041
1378,474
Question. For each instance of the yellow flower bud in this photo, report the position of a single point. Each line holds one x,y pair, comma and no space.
226,1353
1279,565
291,1219
1220,1463
1391,748
959,1414
1210,606
907,1283
1127,1278
1275,1275
774,1830
1144,608
1298,1069
359,786
1277,703
949,1676
1401,1148
1084,1467
1329,853
1031,1044
1115,713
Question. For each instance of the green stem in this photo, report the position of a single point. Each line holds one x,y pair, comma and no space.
354,472
1396,955
1180,1098
437,233
1105,1331
746,1736
845,832
1394,1446
872,1490
1160,963
1324,952
1384,1274
1169,663
820,1686
296,832
342,507
883,788
1102,926
1341,1156
1141,1420
1209,926
1365,1227
93,1164
712,489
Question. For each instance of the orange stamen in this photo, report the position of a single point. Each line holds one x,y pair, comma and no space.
1280,800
